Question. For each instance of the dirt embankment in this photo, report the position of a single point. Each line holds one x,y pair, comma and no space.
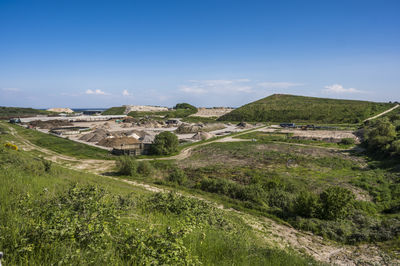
212,112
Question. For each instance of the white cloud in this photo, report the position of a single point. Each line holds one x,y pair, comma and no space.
278,85
126,93
193,90
217,86
337,88
11,89
97,92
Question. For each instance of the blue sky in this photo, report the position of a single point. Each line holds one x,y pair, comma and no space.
209,53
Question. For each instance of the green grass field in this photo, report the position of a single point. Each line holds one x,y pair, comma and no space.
62,145
290,108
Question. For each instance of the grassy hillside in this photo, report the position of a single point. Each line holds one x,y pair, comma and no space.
290,108
8,112
115,111
62,145
50,215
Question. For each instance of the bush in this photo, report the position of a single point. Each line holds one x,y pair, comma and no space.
307,205
177,176
336,203
144,168
347,141
165,143
126,165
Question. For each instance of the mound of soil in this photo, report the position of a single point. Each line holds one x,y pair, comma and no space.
117,142
50,124
202,136
185,128
96,135
244,125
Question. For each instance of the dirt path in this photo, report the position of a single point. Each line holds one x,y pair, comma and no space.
383,113
186,152
273,233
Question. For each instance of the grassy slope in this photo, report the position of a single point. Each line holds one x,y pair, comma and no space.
290,108
114,111
8,112
26,235
251,165
62,145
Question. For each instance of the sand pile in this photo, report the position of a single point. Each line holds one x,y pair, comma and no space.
185,128
202,136
60,110
149,123
96,135
133,133
117,142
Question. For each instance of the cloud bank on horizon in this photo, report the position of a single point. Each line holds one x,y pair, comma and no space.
209,92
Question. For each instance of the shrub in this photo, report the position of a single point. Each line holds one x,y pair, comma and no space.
177,176
165,143
126,165
347,141
336,203
144,168
307,205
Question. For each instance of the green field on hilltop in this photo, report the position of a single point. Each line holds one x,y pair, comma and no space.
291,108
114,111
9,112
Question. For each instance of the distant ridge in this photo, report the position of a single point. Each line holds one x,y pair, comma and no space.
293,108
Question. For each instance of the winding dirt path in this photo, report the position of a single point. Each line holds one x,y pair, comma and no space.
273,233
383,113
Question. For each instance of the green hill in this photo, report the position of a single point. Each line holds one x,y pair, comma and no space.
291,108
115,111
8,112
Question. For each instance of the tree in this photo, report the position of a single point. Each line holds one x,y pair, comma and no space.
185,106
165,143
379,134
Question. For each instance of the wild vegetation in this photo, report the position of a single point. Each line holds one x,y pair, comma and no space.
52,215
382,136
338,196
290,108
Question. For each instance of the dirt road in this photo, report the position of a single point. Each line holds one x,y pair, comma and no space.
383,113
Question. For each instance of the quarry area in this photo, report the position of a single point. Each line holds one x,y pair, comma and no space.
108,132
121,132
